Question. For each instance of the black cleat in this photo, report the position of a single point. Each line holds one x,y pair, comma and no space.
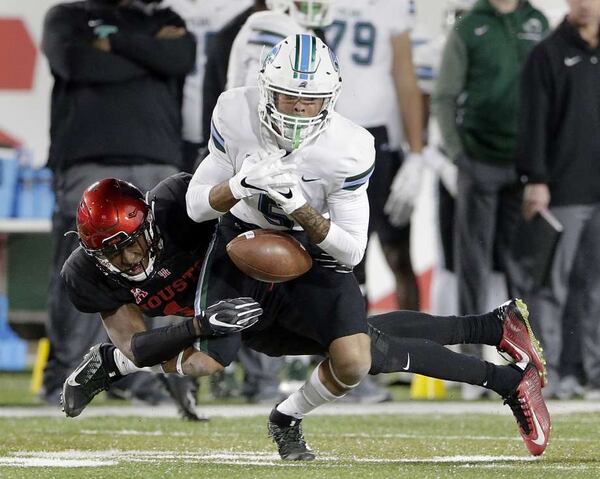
184,391
89,378
289,438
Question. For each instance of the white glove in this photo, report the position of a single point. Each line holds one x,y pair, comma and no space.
261,171
446,170
404,190
289,200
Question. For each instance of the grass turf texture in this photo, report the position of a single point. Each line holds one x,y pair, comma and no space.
370,446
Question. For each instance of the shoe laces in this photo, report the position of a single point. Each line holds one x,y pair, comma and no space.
287,437
95,377
520,408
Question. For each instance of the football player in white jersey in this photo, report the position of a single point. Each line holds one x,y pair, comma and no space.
266,29
282,158
372,42
258,35
202,19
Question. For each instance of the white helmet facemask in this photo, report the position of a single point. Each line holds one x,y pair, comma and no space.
308,13
299,66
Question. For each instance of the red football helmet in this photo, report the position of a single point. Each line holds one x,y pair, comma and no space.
112,214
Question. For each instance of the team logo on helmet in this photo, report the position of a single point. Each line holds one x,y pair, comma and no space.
270,58
334,60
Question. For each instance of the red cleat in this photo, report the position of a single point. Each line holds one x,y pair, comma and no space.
518,340
530,411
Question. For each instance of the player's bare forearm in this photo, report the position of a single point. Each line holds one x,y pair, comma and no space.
313,223
411,104
122,324
409,94
221,198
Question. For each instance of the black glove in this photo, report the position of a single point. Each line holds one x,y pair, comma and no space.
229,316
329,262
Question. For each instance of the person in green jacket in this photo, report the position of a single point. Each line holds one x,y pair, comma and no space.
475,101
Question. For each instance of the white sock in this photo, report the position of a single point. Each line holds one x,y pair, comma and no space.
127,366
310,396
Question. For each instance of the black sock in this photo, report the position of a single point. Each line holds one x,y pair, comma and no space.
282,420
108,361
502,379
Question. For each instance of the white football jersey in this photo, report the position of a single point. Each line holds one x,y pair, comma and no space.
203,18
361,36
333,168
261,32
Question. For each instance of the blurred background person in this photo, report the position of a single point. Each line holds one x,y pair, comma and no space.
475,102
118,69
203,19
559,153
427,56
217,62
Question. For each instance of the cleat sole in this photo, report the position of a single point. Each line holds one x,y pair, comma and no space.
522,307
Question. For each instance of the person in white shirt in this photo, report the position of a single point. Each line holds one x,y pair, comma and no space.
263,30
372,42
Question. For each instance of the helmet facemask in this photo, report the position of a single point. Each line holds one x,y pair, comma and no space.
308,13
312,13
300,67
295,130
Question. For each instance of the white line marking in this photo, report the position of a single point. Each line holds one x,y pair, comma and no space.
236,410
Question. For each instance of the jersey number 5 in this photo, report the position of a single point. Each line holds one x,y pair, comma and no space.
272,213
364,35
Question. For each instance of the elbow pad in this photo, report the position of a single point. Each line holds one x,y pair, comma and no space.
156,346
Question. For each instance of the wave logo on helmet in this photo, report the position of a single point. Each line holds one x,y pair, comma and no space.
334,60
270,58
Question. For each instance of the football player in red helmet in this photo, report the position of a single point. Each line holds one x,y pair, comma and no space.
116,227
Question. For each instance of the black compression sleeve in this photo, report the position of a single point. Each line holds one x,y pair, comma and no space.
161,344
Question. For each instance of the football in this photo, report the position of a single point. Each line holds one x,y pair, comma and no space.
268,255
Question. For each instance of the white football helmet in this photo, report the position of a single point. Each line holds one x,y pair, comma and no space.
302,66
308,13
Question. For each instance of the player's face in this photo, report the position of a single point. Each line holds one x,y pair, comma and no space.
132,259
303,107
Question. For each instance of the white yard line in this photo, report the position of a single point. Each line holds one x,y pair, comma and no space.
80,458
241,410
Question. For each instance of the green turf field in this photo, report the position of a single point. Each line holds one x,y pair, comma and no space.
434,445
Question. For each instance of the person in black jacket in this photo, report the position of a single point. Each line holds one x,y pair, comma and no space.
118,68
559,162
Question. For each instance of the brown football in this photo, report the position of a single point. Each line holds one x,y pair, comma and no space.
268,255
